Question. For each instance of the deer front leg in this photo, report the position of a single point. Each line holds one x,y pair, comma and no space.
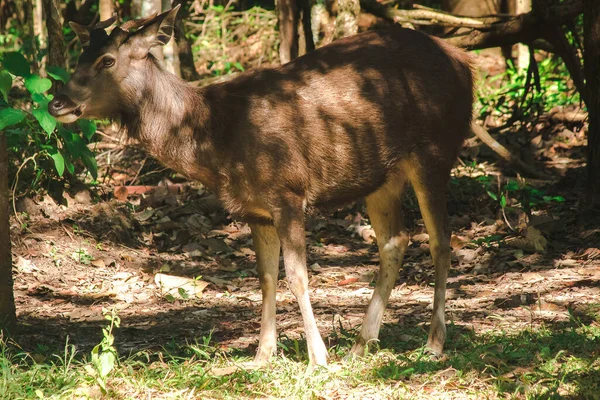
266,245
289,222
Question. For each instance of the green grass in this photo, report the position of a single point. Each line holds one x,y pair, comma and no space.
549,361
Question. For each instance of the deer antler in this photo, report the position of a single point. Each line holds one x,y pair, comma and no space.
105,24
137,23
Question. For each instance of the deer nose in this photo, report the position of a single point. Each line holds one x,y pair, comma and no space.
57,104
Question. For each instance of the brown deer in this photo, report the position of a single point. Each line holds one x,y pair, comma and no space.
362,117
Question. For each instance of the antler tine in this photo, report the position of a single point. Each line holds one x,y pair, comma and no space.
136,23
106,23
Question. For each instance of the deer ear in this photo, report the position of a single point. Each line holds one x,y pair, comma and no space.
82,32
159,30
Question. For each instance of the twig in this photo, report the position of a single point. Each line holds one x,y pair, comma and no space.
14,188
138,171
501,151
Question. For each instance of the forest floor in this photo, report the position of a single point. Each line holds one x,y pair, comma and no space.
523,293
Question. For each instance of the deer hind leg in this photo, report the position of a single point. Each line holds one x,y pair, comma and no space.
289,222
385,212
267,247
429,182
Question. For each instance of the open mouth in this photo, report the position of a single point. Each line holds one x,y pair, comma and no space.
70,115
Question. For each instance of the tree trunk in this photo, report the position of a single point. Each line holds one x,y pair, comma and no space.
346,23
38,23
170,50
522,51
30,48
591,19
8,316
287,16
56,47
150,7
294,19
107,8
184,47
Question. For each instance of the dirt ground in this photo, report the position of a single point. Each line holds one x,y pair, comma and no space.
95,251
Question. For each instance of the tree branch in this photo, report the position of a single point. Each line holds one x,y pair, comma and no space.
485,32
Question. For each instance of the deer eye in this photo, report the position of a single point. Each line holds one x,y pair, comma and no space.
107,62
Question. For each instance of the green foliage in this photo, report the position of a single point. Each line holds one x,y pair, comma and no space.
16,64
5,84
10,116
58,74
32,133
504,94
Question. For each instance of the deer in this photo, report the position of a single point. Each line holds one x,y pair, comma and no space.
363,117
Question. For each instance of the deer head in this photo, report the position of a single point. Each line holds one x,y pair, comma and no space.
112,67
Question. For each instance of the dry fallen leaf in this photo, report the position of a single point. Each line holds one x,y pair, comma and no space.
98,263
179,286
533,241
348,281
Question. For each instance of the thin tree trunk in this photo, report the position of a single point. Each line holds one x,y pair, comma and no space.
346,23
38,23
287,15
30,47
184,47
56,47
150,7
107,8
171,55
8,316
591,19
522,51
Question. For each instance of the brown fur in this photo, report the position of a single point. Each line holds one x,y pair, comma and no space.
357,118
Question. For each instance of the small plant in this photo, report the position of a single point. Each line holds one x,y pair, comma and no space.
82,256
517,193
104,354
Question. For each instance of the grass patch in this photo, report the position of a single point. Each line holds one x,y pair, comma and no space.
550,361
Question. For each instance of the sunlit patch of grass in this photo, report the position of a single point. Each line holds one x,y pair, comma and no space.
549,361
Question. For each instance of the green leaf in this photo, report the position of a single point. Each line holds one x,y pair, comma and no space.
87,127
16,64
37,84
90,163
511,186
492,195
59,162
95,352
70,166
58,73
106,363
39,97
47,121
169,297
5,84
503,201
10,116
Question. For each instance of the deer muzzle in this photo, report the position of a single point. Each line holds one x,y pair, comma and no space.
64,109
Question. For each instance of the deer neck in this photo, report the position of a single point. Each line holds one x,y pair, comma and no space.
170,119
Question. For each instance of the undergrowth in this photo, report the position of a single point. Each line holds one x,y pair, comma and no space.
547,361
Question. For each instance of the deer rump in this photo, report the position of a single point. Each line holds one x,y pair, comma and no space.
362,117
